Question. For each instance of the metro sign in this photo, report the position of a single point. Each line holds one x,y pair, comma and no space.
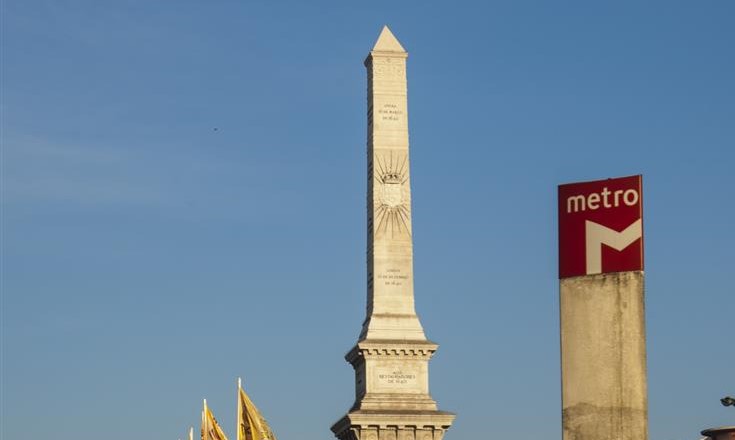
600,226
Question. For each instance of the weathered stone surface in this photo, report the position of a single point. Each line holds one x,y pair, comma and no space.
391,358
603,357
390,307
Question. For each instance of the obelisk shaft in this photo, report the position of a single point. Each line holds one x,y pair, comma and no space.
390,306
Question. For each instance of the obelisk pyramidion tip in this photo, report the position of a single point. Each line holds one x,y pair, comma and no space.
387,42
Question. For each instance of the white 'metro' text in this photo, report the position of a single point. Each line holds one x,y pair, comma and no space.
603,199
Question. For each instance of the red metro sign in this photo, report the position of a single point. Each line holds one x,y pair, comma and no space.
600,227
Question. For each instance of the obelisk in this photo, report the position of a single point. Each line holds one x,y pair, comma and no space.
391,357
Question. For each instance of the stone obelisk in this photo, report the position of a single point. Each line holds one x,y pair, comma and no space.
391,357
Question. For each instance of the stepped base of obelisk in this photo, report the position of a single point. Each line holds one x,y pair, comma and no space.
388,326
393,425
392,399
392,375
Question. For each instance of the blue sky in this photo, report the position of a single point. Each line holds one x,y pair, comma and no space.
183,203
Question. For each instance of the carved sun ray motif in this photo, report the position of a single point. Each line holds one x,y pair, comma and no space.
392,202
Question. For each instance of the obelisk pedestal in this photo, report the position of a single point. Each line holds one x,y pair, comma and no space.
391,358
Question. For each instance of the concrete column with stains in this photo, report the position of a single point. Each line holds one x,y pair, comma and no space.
603,357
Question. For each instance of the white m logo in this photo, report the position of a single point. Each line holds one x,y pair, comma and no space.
596,235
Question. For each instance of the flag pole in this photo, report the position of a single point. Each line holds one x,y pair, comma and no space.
238,420
204,415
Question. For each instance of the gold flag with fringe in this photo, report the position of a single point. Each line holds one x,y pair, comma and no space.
251,425
210,427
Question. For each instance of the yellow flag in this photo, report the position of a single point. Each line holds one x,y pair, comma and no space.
210,427
251,425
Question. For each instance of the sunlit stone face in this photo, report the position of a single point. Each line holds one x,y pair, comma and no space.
391,357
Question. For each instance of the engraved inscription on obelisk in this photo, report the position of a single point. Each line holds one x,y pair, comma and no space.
391,358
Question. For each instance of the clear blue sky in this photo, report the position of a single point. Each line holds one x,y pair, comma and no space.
183,195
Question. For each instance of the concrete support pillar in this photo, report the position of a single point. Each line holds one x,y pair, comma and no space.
603,357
